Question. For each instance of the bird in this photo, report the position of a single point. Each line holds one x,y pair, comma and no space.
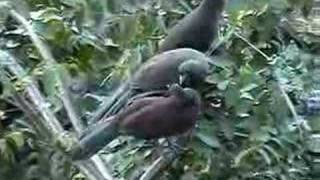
184,65
196,30
147,117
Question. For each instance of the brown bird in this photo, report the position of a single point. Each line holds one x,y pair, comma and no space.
148,117
186,66
197,30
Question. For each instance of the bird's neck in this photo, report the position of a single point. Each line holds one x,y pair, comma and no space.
212,7
181,100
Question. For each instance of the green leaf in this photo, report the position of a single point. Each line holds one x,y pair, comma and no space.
17,138
223,85
247,96
209,140
265,156
249,87
243,154
313,144
273,152
232,96
6,153
79,176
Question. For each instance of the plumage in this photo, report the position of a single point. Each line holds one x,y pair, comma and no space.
146,117
158,117
159,71
196,30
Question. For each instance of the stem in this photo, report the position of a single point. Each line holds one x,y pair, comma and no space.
157,165
289,103
253,46
39,102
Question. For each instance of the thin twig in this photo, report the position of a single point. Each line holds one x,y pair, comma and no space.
289,103
185,5
253,46
101,166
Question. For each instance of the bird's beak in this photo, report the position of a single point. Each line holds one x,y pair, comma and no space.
182,79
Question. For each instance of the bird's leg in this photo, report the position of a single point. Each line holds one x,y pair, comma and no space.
174,146
151,143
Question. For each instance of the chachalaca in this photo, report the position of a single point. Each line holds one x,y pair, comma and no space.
186,66
197,30
148,117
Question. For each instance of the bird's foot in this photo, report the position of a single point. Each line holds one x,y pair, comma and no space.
150,143
174,147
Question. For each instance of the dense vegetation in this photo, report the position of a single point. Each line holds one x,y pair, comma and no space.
261,100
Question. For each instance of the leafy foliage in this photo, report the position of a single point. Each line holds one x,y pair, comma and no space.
248,129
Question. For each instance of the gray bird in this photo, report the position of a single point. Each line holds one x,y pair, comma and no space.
149,117
185,66
197,30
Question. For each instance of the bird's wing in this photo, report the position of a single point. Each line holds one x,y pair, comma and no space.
138,104
160,93
159,119
108,104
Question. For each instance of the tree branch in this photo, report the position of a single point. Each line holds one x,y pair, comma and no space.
164,160
51,63
41,104
157,165
34,94
49,120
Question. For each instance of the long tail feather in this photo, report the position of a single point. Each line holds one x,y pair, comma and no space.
95,139
100,113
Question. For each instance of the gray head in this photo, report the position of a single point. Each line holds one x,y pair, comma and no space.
189,96
192,72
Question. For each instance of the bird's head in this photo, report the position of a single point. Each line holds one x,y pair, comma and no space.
192,71
189,96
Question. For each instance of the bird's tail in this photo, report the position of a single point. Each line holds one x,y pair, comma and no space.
104,109
94,139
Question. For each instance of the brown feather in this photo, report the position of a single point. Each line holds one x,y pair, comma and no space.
158,117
